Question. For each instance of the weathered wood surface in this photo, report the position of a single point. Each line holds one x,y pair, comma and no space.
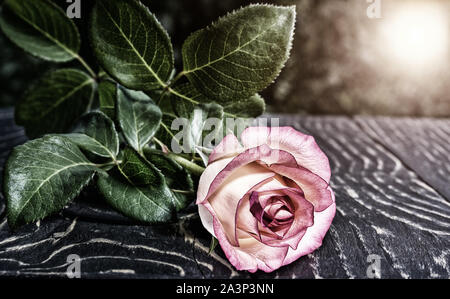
390,177
422,144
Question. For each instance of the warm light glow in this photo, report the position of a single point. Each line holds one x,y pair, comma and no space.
417,34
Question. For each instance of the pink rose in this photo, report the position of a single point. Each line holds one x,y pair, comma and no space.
267,201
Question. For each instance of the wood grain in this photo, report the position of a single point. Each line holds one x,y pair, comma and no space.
422,144
384,207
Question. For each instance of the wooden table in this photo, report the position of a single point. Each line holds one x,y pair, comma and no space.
391,177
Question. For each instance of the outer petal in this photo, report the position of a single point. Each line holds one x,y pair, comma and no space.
314,187
207,219
238,258
255,136
262,153
314,234
268,258
228,147
303,147
251,255
208,176
254,255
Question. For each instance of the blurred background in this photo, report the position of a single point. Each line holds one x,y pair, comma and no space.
376,57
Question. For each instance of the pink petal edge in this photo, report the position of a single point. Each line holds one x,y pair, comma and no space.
229,146
303,147
314,235
262,153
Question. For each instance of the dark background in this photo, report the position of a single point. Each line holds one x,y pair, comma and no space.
338,64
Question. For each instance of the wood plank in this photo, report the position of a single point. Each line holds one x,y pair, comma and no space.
384,208
423,144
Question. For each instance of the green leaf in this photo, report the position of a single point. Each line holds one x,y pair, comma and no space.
241,53
41,28
96,133
107,93
194,123
177,178
150,202
168,103
186,92
203,122
165,134
253,106
42,176
55,102
200,126
137,170
187,96
236,114
131,45
138,117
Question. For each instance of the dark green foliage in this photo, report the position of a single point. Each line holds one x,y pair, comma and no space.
55,102
131,45
42,176
139,96
40,28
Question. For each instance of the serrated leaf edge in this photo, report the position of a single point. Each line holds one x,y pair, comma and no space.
51,38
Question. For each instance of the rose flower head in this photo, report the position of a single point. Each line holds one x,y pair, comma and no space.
267,198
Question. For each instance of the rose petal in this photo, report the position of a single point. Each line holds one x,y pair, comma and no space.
207,219
225,199
268,258
262,153
303,218
280,213
239,259
314,187
208,176
246,220
288,234
244,217
255,136
314,234
255,207
303,147
229,146
266,197
272,187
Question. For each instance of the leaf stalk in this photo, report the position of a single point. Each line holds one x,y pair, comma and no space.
191,166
